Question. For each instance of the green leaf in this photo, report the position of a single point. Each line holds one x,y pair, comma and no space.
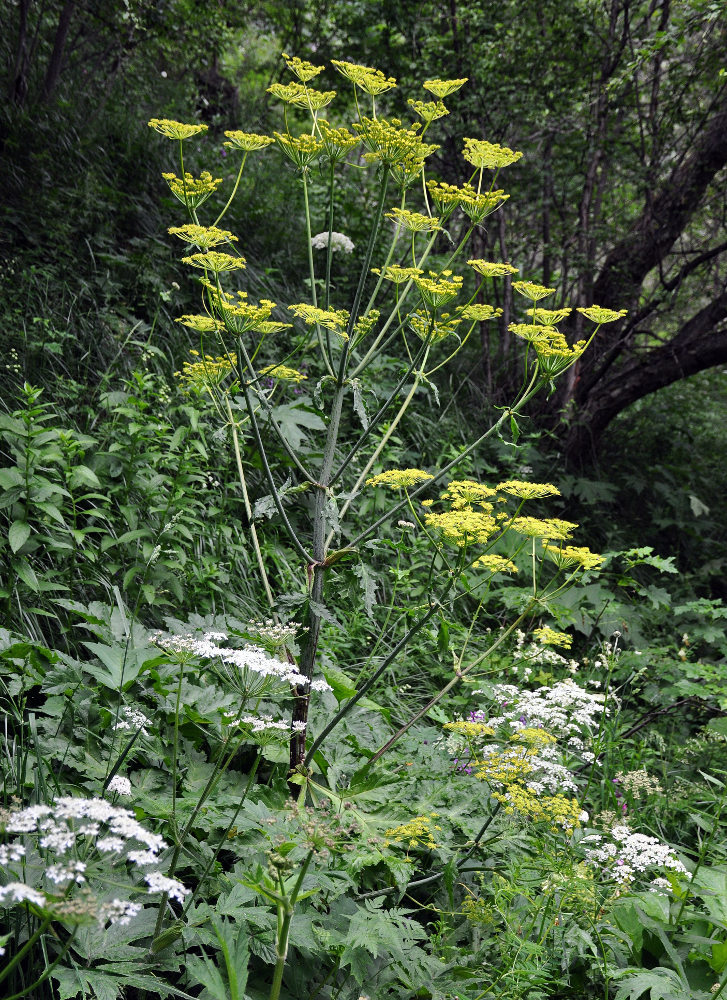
27,574
657,984
18,534
81,475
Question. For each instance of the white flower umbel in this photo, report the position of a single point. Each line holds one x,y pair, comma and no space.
160,883
250,658
623,855
338,242
133,719
105,836
119,785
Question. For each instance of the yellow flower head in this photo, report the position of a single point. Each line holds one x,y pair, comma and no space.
337,142
239,315
465,492
201,324
399,479
480,312
528,491
301,96
192,191
463,527
374,82
553,528
598,315
176,130
416,833
335,320
433,328
387,140
495,564
208,372
566,556
531,290
438,289
533,738
549,637
305,71
532,332
492,270
399,275
548,316
248,142
414,221
215,261
202,236
302,150
428,111
463,727
352,71
488,155
283,374
443,88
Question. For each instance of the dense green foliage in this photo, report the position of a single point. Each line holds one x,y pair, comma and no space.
422,823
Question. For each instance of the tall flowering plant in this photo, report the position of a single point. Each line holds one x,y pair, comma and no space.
417,296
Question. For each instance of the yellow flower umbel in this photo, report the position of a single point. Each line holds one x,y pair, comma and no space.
248,142
438,289
548,317
201,324
465,492
352,71
495,564
428,111
489,269
305,71
465,727
215,261
532,291
416,833
207,373
335,320
428,327
463,527
547,636
414,221
443,88
192,191
176,130
552,529
202,236
488,155
374,82
283,374
301,151
399,275
572,556
399,479
388,141
336,142
480,312
528,491
238,314
598,315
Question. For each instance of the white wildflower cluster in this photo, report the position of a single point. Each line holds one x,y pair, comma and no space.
274,633
266,723
160,883
133,719
531,655
94,829
624,856
564,709
338,242
119,786
250,657
638,783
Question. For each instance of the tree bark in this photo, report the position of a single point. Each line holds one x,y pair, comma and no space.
701,343
59,44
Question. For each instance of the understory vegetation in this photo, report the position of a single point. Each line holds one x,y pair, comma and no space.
326,671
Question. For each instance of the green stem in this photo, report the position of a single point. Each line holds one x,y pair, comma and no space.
20,955
311,269
248,508
234,190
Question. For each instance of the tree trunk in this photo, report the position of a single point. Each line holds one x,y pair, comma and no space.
59,44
